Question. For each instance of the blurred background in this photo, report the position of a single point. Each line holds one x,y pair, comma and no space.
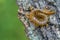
10,26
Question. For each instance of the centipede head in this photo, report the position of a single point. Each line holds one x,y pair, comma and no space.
46,10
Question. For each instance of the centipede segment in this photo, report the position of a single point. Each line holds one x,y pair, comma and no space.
37,18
